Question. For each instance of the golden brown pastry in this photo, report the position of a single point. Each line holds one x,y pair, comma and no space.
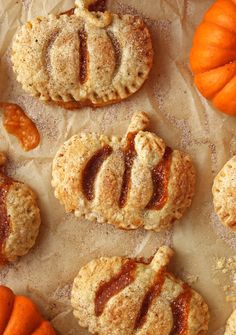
133,182
118,296
224,194
82,58
19,217
231,325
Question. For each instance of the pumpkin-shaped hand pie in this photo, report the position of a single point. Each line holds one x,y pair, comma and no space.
82,57
118,296
213,56
132,182
20,316
19,218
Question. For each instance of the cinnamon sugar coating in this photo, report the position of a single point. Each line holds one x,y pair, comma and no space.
84,58
119,296
137,182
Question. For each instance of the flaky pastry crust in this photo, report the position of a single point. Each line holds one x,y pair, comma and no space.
19,219
82,59
224,194
118,296
131,182
231,325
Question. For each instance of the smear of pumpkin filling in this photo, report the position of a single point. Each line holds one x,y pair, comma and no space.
17,123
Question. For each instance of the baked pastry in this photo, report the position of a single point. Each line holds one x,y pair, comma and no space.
131,182
20,316
231,325
82,58
224,194
19,218
118,296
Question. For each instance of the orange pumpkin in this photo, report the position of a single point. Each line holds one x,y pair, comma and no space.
20,316
213,56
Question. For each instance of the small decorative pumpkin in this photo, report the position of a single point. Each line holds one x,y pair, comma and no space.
213,56
20,316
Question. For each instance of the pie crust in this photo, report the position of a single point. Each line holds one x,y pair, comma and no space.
82,58
224,194
131,182
19,218
231,324
121,296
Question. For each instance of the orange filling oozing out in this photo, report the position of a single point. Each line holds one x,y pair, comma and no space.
17,123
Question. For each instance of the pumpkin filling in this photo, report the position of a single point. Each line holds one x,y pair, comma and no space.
153,292
160,179
84,56
180,309
129,156
91,170
119,282
17,123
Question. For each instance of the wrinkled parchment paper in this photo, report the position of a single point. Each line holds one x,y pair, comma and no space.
179,115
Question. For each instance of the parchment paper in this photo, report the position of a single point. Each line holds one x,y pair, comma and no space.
179,115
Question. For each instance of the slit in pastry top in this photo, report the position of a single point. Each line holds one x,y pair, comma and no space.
111,54
140,182
84,58
91,170
129,156
160,179
180,308
152,293
137,298
116,284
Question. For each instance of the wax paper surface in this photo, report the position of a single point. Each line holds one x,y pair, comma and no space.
205,250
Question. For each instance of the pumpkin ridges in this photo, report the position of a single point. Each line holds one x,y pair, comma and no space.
205,58
209,33
7,298
45,328
222,13
225,100
212,82
213,55
25,317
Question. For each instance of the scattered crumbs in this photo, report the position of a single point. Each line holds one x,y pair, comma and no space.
182,125
63,292
226,268
213,150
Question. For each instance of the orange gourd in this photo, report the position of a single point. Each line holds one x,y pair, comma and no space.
213,56
20,316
